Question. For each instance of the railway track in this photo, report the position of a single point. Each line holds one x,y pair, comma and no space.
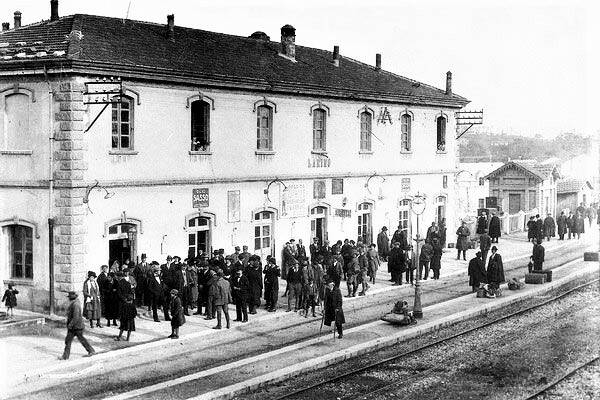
301,393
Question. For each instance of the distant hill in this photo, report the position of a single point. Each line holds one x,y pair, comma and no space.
489,147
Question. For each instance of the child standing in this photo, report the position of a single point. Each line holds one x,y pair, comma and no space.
310,297
10,299
127,318
177,315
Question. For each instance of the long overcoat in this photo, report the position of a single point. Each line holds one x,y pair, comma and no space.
531,227
436,258
333,302
538,256
396,260
255,281
110,307
374,262
481,224
549,227
91,299
477,273
240,288
383,244
272,273
221,292
462,238
495,271
191,285
495,227
177,315
561,221
579,225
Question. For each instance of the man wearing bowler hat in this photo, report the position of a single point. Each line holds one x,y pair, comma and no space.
75,327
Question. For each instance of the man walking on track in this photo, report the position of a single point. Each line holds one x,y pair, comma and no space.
75,328
333,308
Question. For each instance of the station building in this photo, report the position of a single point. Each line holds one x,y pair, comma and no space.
213,141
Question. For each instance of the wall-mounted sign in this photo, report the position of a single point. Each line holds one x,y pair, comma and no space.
337,186
343,213
233,206
405,186
200,198
293,201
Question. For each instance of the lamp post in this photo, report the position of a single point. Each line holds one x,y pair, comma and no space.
417,205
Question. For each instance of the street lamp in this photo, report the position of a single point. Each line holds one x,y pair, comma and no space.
417,205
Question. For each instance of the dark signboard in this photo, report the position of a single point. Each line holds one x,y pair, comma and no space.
200,198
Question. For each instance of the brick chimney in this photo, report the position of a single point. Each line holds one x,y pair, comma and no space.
5,26
288,42
377,62
53,10
336,56
171,27
17,19
449,83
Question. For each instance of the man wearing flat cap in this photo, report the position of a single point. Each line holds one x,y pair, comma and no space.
75,327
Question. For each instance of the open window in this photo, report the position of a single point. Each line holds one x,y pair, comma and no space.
200,133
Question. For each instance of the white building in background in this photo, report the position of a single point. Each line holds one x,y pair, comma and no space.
217,141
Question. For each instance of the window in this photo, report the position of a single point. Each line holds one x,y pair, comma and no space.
122,124
404,214
441,134
319,189
532,199
319,130
481,203
263,231
200,126
264,128
16,122
365,228
199,230
337,186
481,181
21,251
365,131
445,181
405,129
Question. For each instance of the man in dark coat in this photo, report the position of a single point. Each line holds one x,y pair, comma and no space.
301,251
203,287
177,315
255,281
383,244
549,227
436,258
571,225
363,268
272,273
495,228
333,308
352,274
561,221
239,291
294,281
531,228
485,242
495,269
396,237
425,259
538,255
75,327
315,250
102,285
396,263
477,273
141,272
432,232
539,227
221,292
346,255
124,288
155,292
481,223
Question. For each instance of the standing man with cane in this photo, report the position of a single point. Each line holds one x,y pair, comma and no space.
333,308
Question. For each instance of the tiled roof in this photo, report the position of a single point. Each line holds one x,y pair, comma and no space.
542,171
571,185
143,47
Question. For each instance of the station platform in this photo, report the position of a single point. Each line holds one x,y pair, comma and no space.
38,354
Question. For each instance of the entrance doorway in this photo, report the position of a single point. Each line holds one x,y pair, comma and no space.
365,224
318,223
514,203
199,236
440,209
263,234
121,243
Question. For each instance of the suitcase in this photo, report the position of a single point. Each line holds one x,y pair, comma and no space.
535,279
590,256
547,272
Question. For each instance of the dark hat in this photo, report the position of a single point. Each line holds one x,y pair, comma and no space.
169,258
174,291
494,248
384,228
177,257
144,255
104,266
154,263
272,259
237,247
72,295
91,273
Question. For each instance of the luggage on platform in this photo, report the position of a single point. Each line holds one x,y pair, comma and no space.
547,272
535,279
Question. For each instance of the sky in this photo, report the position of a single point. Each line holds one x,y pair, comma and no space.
530,65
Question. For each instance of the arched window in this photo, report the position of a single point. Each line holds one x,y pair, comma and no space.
200,126
365,225
365,131
20,251
122,124
405,129
319,131
16,122
264,128
441,133
263,232
199,236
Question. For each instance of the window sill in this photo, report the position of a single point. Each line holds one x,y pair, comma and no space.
319,152
365,152
19,282
264,152
441,152
406,152
200,153
123,152
16,152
